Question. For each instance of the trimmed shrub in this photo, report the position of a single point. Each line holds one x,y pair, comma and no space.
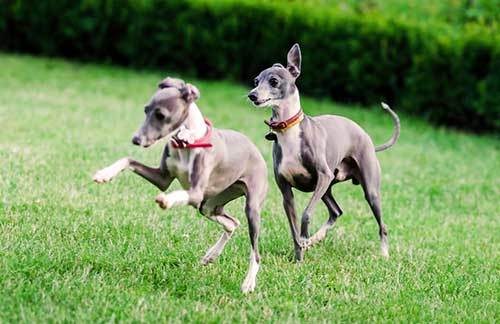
447,77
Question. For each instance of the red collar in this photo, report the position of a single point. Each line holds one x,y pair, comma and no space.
201,142
284,125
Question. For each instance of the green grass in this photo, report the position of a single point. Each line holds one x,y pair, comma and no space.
73,250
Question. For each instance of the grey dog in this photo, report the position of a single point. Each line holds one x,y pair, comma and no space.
213,166
312,154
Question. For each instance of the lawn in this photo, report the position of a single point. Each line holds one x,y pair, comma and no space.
73,250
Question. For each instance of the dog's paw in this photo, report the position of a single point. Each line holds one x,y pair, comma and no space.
248,285
186,135
384,250
299,255
207,259
104,175
162,201
305,243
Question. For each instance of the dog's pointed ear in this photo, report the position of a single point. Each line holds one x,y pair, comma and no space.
293,60
169,82
190,93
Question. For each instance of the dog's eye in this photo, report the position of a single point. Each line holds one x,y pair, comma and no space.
256,82
159,115
273,82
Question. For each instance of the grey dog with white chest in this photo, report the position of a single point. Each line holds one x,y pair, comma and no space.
214,166
312,154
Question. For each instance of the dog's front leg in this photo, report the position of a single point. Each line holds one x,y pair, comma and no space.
199,174
108,173
325,177
161,179
158,177
289,206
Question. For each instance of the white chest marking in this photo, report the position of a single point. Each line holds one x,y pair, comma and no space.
291,160
179,165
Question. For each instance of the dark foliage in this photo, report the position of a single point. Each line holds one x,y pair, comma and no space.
446,77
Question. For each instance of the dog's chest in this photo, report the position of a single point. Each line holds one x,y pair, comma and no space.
178,166
291,165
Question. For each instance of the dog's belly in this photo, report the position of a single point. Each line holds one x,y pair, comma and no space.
305,184
219,180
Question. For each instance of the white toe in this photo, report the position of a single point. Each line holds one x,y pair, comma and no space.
248,286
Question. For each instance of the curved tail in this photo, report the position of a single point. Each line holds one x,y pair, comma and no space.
395,134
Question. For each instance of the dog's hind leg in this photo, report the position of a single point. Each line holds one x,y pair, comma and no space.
229,224
252,210
370,181
213,209
334,212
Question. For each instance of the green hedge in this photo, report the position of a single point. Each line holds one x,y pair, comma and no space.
447,77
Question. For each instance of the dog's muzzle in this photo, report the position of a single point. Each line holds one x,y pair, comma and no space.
136,140
252,96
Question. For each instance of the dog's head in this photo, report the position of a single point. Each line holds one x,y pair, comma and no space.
277,82
166,111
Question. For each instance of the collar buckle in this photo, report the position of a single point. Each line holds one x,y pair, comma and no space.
281,126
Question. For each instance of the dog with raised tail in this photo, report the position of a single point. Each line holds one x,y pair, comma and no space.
214,166
312,154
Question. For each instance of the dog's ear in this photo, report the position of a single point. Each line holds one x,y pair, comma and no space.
293,60
278,65
169,82
190,93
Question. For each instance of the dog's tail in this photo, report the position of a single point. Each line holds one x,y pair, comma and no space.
395,134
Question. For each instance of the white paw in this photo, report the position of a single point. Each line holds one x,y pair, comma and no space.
163,201
305,243
384,251
104,175
248,285
186,135
210,256
207,259
176,198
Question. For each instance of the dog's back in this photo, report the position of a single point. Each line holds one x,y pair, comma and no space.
240,154
344,136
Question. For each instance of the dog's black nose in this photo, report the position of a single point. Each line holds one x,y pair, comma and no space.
136,140
252,96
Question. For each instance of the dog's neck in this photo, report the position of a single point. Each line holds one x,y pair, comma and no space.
287,108
195,123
